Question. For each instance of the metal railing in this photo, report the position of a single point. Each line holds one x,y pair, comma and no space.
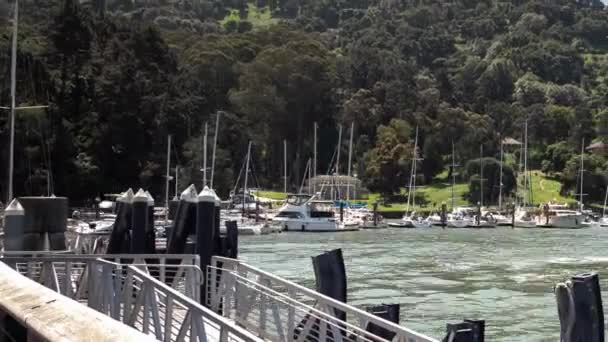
279,310
134,297
68,273
49,316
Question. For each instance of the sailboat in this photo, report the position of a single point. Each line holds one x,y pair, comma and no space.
523,218
455,219
560,216
13,108
410,220
481,221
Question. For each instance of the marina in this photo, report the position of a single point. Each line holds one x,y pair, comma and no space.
317,171
505,276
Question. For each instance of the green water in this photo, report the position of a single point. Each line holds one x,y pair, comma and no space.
505,276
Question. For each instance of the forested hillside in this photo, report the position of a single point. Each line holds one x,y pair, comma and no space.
120,76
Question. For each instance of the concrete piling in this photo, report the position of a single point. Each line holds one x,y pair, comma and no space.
217,244
205,209
183,222
150,245
14,220
139,222
120,238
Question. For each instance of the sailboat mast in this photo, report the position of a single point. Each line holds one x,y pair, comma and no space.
314,160
582,172
337,173
176,181
350,156
309,175
168,174
481,176
412,171
217,128
285,166
526,164
500,177
205,156
306,174
11,157
246,177
453,173
339,143
605,199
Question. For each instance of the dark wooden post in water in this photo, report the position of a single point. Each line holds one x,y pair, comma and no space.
375,214
205,208
139,222
341,211
468,331
478,218
513,215
14,221
444,214
580,310
389,312
330,275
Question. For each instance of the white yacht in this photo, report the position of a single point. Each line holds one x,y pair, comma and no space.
559,216
466,218
500,219
523,219
456,221
303,213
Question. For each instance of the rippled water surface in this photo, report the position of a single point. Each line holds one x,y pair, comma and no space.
502,275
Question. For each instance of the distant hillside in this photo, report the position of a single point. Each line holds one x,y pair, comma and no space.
122,75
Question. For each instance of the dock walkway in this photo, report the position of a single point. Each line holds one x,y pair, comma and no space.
159,295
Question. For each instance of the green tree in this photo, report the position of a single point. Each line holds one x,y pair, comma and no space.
491,180
387,163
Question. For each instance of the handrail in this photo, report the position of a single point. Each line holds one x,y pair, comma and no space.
138,299
38,309
267,282
67,274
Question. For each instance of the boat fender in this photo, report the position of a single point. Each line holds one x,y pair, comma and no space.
303,227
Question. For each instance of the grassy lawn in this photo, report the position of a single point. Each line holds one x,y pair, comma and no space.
259,18
429,198
275,195
545,189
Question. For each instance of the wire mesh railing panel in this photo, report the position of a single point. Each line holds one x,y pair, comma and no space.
279,310
136,298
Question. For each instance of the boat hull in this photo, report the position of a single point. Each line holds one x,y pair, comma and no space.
315,226
563,222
